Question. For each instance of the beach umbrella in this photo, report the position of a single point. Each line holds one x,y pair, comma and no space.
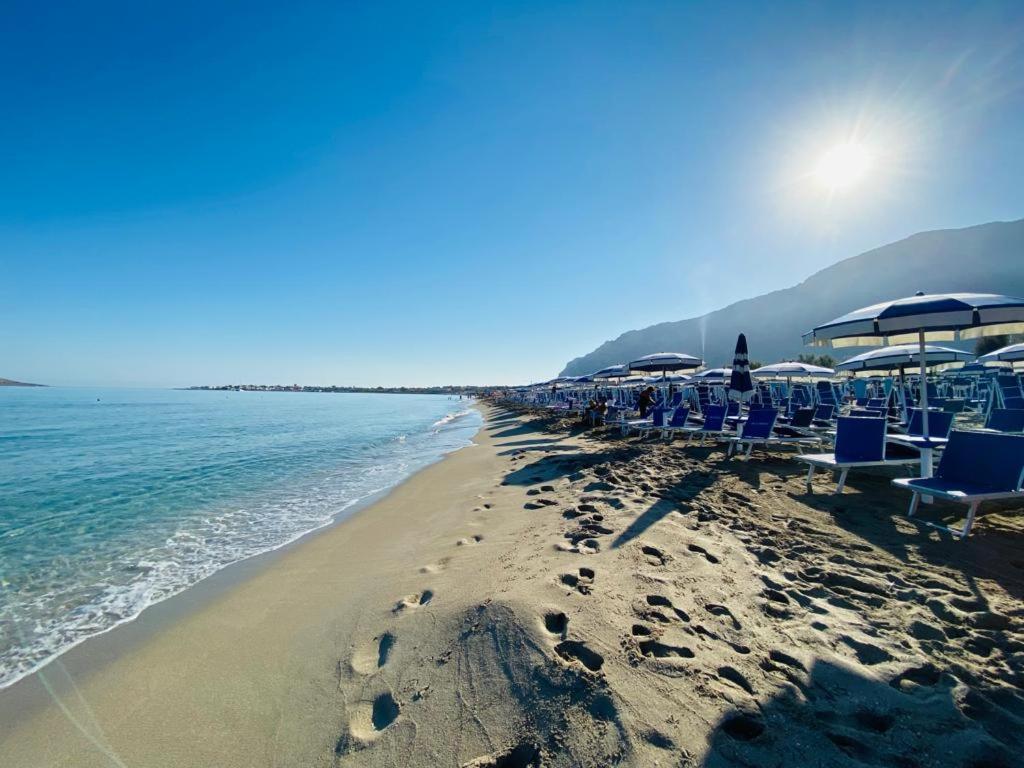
611,372
672,378
665,362
975,369
928,317
1008,354
789,370
901,356
714,374
741,387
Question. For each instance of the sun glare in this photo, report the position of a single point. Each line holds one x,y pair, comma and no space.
843,166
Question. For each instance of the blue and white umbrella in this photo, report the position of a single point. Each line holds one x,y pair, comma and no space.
921,318
741,387
924,317
714,374
1008,354
792,370
611,372
902,356
665,362
975,369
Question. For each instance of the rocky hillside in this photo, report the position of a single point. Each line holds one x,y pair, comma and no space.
986,258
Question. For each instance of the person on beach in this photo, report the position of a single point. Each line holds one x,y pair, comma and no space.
645,402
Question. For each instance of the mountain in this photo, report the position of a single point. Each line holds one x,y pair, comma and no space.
988,258
11,383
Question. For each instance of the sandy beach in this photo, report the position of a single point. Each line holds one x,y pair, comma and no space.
551,597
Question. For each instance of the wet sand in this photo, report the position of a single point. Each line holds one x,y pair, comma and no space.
552,597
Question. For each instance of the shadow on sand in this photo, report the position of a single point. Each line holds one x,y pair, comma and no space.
829,715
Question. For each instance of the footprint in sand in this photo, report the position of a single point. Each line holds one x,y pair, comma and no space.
369,719
723,610
469,540
371,656
701,551
525,755
417,600
660,601
556,623
654,555
437,567
574,650
581,583
735,677
658,650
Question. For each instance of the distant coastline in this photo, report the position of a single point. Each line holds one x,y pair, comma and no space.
445,390
12,383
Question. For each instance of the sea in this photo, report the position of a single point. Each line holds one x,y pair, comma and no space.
112,500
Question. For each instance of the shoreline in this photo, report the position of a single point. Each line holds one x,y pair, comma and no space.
559,597
87,655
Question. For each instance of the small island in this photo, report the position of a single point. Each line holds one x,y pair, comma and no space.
13,383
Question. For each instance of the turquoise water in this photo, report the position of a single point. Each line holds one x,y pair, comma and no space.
111,500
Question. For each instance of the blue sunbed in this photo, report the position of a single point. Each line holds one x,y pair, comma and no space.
975,467
1006,420
758,429
860,443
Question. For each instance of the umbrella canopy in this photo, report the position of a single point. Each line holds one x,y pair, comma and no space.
665,362
741,387
975,369
901,356
929,317
1006,354
788,370
611,372
674,378
940,316
714,373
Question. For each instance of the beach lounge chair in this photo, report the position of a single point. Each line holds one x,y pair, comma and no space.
824,415
1006,420
860,443
759,429
713,426
975,467
797,425
677,423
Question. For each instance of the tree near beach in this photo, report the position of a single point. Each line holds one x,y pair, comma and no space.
987,344
825,361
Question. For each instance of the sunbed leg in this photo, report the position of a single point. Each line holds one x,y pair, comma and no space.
842,481
914,501
731,446
970,519
810,475
750,449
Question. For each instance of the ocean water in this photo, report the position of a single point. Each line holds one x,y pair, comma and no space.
112,500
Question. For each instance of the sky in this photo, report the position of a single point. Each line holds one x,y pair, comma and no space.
386,193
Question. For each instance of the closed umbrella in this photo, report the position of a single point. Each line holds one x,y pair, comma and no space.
741,387
929,317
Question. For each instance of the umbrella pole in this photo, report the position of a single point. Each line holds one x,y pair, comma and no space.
926,451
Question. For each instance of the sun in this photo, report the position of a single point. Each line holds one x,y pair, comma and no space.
843,166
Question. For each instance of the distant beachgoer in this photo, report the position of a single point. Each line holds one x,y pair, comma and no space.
645,401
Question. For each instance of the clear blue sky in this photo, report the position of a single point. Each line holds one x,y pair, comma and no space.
383,193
